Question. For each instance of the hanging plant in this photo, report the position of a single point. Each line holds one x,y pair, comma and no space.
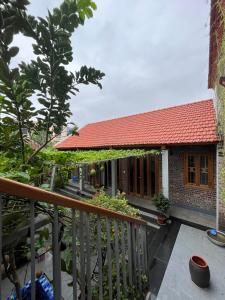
92,172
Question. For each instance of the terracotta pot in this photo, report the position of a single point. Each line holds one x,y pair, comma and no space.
161,219
199,271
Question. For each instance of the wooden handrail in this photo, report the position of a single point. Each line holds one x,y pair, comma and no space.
33,193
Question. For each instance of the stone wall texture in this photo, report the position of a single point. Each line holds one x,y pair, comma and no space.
221,192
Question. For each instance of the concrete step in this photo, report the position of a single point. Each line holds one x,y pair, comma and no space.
153,225
70,194
76,191
148,215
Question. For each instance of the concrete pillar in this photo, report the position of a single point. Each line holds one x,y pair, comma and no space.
114,179
165,173
81,178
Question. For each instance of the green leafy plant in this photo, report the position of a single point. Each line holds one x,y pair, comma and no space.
162,203
46,77
117,204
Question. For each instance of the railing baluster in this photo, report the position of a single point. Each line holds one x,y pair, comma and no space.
82,256
123,258
1,245
32,248
129,243
134,253
56,256
117,259
89,296
138,241
99,246
144,249
109,257
74,253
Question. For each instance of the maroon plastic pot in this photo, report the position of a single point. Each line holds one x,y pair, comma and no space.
161,220
199,271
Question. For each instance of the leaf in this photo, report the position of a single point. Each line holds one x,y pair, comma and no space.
88,12
44,102
13,51
93,5
14,73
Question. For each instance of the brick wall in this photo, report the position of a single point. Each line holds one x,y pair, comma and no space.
221,194
190,196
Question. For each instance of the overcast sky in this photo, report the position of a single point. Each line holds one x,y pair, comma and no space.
154,54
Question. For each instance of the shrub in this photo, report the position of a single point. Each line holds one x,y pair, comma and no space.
162,203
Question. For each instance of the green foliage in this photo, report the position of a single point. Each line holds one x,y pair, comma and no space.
118,203
91,156
46,76
17,176
16,110
161,203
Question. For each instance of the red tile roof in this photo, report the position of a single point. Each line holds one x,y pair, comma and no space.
193,123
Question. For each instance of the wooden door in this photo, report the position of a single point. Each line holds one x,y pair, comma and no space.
144,176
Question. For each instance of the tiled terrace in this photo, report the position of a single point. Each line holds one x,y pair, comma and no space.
177,283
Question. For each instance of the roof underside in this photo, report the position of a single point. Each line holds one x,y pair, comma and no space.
192,123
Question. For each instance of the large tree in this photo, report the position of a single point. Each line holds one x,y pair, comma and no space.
45,77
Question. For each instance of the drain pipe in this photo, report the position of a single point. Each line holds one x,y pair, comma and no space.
217,187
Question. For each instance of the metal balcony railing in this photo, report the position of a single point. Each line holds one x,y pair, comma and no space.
118,248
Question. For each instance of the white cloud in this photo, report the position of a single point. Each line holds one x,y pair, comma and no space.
154,54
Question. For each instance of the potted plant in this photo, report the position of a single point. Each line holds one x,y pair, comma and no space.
162,204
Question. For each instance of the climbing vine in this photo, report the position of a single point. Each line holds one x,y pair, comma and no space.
92,156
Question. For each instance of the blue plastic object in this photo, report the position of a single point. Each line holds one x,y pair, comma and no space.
44,290
74,179
213,232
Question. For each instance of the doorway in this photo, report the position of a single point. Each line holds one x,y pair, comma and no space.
144,176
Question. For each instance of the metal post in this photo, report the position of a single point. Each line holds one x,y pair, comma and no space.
114,175
123,258
56,257
88,258
52,183
1,246
129,243
74,253
32,243
99,249
82,255
109,256
117,263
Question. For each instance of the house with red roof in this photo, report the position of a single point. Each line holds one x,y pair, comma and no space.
185,172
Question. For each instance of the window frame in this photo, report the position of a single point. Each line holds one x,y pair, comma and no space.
198,170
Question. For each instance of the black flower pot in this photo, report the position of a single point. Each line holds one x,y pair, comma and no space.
199,270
